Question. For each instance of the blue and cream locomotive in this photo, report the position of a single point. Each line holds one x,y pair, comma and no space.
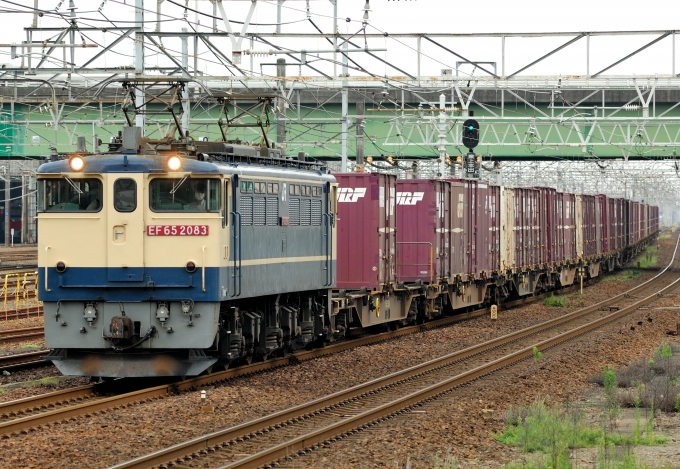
165,258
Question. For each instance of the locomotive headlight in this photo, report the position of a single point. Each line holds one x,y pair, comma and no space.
174,163
77,163
61,267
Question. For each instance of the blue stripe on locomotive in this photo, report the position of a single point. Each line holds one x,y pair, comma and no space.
175,283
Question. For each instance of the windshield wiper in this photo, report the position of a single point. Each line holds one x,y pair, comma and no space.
179,183
73,184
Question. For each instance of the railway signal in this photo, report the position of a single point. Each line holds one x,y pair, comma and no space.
470,133
470,140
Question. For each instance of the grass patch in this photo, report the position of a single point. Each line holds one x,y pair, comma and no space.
605,461
30,346
555,301
542,428
622,276
48,381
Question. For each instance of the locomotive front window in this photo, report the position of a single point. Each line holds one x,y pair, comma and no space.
185,195
125,195
69,195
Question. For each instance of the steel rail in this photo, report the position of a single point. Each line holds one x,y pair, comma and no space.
21,335
193,383
20,313
43,401
373,416
22,361
46,400
223,437
29,404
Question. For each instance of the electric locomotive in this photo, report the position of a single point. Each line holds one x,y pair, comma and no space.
164,258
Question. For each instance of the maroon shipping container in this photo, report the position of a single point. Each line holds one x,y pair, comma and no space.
549,220
459,227
482,228
589,225
527,227
366,235
489,243
646,220
602,223
611,235
423,230
634,222
566,227
655,218
617,220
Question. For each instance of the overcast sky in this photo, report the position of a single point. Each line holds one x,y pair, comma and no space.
402,16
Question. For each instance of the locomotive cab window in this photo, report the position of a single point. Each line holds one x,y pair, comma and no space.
69,195
185,195
125,195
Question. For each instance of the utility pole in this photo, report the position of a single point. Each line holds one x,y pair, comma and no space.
6,180
360,136
185,94
281,106
139,60
345,97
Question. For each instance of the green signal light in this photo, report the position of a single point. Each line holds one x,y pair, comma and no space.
471,127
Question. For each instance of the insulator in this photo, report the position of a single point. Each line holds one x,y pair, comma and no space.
259,53
631,107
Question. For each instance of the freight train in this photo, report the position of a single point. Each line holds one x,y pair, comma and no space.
167,258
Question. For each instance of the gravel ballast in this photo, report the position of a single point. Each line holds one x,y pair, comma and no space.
450,425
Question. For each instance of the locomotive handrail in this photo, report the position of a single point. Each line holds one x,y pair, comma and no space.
326,228
236,237
203,269
47,248
330,250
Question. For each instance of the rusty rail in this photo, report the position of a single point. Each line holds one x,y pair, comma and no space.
193,383
23,361
346,426
27,312
20,335
190,384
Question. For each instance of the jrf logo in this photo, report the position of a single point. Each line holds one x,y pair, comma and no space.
409,198
349,194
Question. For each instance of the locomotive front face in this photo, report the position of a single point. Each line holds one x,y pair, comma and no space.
129,264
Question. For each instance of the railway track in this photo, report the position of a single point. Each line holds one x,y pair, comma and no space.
21,335
21,313
63,405
279,437
23,361
33,360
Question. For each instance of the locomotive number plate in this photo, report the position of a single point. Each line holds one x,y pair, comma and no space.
177,230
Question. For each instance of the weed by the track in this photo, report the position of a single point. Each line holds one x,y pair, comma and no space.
544,428
30,346
555,301
47,381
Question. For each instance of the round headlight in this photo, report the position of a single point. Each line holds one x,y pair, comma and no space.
77,163
191,267
61,267
174,163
